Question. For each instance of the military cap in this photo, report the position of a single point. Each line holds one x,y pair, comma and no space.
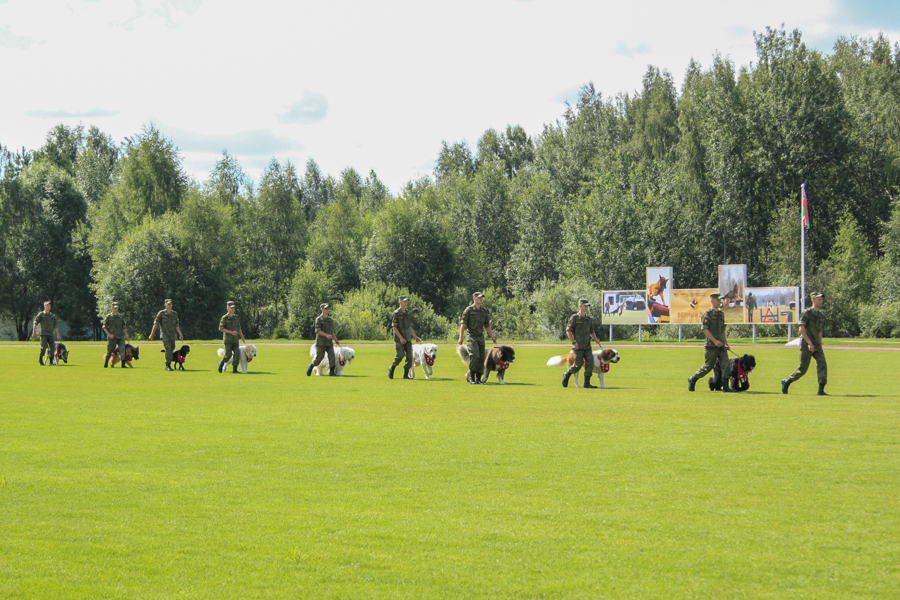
324,305
168,301
230,303
403,298
716,295
817,295
584,301
115,305
478,295
47,302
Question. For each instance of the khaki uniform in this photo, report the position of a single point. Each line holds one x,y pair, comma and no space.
476,321
714,321
582,328
324,346
167,323
47,323
231,341
813,321
115,324
751,307
402,320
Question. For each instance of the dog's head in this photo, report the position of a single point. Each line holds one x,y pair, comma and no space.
185,350
250,352
430,350
347,355
62,352
609,356
132,352
748,362
507,354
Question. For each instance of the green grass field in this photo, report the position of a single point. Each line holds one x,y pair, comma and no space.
145,484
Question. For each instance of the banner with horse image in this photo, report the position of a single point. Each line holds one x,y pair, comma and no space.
732,283
659,294
688,306
771,305
623,307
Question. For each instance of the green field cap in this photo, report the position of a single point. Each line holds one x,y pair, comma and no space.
115,305
584,301
478,295
324,305
230,303
817,295
404,298
717,296
168,301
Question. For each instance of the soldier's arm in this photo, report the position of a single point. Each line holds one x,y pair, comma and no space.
59,337
415,335
806,338
491,333
125,330
152,331
180,335
711,337
241,332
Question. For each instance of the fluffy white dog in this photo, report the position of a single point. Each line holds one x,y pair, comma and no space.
343,356
424,356
247,353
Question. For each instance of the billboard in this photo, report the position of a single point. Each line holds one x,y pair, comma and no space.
773,305
659,294
732,283
689,305
624,307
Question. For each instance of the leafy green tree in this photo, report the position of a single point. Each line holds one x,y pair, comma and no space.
454,160
309,289
539,221
338,241
96,165
365,314
62,147
555,302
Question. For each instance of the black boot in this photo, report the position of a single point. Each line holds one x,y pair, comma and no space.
41,358
821,390
122,360
726,386
234,368
406,373
785,384
221,366
168,367
106,362
469,378
587,382
476,377
566,376
391,372
309,370
691,382
331,372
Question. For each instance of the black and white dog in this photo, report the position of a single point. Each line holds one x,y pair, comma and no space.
740,374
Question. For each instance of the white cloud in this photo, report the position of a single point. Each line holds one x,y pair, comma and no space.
63,114
8,39
312,108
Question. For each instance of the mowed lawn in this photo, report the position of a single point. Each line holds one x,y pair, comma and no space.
145,484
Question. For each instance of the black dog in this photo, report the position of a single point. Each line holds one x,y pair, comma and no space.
61,353
498,359
179,356
740,374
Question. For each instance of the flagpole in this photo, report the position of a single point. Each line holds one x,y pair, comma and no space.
803,248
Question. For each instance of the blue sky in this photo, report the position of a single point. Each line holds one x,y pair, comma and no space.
372,85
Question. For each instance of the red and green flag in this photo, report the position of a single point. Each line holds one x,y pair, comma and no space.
804,212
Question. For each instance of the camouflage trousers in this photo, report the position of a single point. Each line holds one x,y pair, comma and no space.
821,365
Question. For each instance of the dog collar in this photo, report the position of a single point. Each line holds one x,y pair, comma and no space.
342,363
503,366
429,361
604,367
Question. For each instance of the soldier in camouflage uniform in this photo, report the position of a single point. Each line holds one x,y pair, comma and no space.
401,325
230,326
169,325
713,322
325,340
811,324
580,330
751,305
117,334
475,319
47,321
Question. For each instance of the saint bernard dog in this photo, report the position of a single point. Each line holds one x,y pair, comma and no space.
602,360
424,356
244,356
343,356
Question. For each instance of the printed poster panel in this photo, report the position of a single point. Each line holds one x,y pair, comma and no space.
773,305
624,307
732,283
659,294
688,306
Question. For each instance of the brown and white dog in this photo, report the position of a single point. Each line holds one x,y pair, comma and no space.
496,359
602,360
131,353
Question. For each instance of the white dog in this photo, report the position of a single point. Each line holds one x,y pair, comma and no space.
424,356
244,356
343,356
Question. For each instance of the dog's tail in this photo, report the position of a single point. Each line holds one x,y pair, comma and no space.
463,353
221,352
557,360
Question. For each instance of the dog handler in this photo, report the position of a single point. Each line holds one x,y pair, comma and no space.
168,323
401,325
117,334
47,321
475,319
713,322
230,326
325,340
811,324
580,330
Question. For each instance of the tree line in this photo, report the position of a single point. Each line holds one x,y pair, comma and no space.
691,178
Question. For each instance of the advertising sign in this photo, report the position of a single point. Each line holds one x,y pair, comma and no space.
659,294
689,305
624,307
732,283
773,305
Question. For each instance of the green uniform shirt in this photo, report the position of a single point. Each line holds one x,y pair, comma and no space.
233,323
581,328
714,320
115,324
476,319
751,303
813,321
167,323
47,323
402,320
325,325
